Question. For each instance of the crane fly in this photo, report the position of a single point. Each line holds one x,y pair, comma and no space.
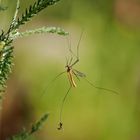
71,73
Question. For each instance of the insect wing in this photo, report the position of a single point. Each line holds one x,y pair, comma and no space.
78,73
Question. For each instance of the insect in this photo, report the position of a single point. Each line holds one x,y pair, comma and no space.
71,73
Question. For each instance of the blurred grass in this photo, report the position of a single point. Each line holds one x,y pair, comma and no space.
109,53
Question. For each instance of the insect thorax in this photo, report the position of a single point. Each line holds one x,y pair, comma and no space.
68,68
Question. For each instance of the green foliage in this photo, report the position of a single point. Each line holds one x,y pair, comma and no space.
7,51
6,61
27,133
5,65
7,38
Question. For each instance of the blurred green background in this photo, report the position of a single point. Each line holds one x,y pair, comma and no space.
109,56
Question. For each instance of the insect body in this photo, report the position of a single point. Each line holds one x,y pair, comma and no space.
70,76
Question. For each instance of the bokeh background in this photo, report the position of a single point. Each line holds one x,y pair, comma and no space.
109,56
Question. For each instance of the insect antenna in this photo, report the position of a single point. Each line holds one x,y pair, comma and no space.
61,109
105,89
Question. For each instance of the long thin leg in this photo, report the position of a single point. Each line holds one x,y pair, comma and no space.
46,87
71,52
74,62
70,61
78,45
77,56
76,75
69,47
61,109
109,90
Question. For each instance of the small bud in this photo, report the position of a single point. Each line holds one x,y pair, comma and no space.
2,44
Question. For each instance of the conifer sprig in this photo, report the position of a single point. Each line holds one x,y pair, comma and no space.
25,134
56,30
33,10
6,63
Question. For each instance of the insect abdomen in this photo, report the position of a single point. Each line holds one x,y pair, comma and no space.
72,82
